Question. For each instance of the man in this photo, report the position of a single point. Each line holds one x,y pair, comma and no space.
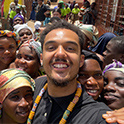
61,58
41,9
114,50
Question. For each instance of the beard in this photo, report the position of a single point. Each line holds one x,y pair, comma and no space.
61,83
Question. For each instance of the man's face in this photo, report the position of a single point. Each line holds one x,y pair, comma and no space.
110,53
61,56
16,1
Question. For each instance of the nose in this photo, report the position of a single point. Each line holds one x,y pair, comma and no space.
22,60
91,82
6,52
60,52
23,102
104,53
110,87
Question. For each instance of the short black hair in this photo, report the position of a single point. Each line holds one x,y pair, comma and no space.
118,43
54,19
91,55
57,10
63,25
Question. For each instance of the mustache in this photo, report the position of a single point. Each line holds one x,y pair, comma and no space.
58,60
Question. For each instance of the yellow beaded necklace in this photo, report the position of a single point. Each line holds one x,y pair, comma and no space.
69,108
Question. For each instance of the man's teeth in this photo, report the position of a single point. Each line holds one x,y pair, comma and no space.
92,91
60,65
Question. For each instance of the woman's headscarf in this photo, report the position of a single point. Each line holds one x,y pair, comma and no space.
19,16
11,79
35,45
10,34
102,42
116,66
19,27
90,31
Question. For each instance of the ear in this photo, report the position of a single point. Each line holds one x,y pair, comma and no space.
121,58
41,59
81,60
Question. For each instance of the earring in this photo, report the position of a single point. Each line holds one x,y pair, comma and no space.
0,110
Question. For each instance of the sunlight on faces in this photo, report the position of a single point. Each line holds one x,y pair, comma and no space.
61,55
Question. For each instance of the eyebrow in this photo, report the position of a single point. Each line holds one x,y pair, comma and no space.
119,78
72,42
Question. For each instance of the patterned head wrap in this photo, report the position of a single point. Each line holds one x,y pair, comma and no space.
33,44
19,27
116,65
10,34
19,16
90,31
11,79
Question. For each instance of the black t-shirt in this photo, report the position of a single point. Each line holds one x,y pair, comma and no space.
50,110
40,14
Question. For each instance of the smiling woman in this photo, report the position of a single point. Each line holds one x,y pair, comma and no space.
16,96
8,46
114,85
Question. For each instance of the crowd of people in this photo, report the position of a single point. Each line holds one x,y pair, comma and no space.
63,71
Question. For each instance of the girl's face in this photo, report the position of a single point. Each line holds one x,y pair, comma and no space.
90,75
114,89
27,60
17,105
7,50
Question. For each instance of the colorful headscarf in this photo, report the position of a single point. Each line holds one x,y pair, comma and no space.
33,44
116,65
10,34
19,16
11,79
90,31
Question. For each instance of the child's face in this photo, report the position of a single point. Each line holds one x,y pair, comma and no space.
13,8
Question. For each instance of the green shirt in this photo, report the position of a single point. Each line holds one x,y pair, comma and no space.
75,11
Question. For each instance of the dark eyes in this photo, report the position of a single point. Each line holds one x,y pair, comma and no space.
22,34
26,57
96,76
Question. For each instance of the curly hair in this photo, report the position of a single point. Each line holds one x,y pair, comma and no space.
63,25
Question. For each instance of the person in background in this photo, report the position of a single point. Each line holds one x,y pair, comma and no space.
16,96
16,5
28,56
100,47
25,32
41,9
62,9
75,12
114,50
18,19
87,17
9,41
37,31
93,12
47,18
12,14
59,97
57,13
33,13
67,11
72,5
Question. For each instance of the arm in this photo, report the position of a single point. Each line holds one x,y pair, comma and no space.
114,116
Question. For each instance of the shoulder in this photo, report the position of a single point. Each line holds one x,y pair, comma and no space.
39,83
